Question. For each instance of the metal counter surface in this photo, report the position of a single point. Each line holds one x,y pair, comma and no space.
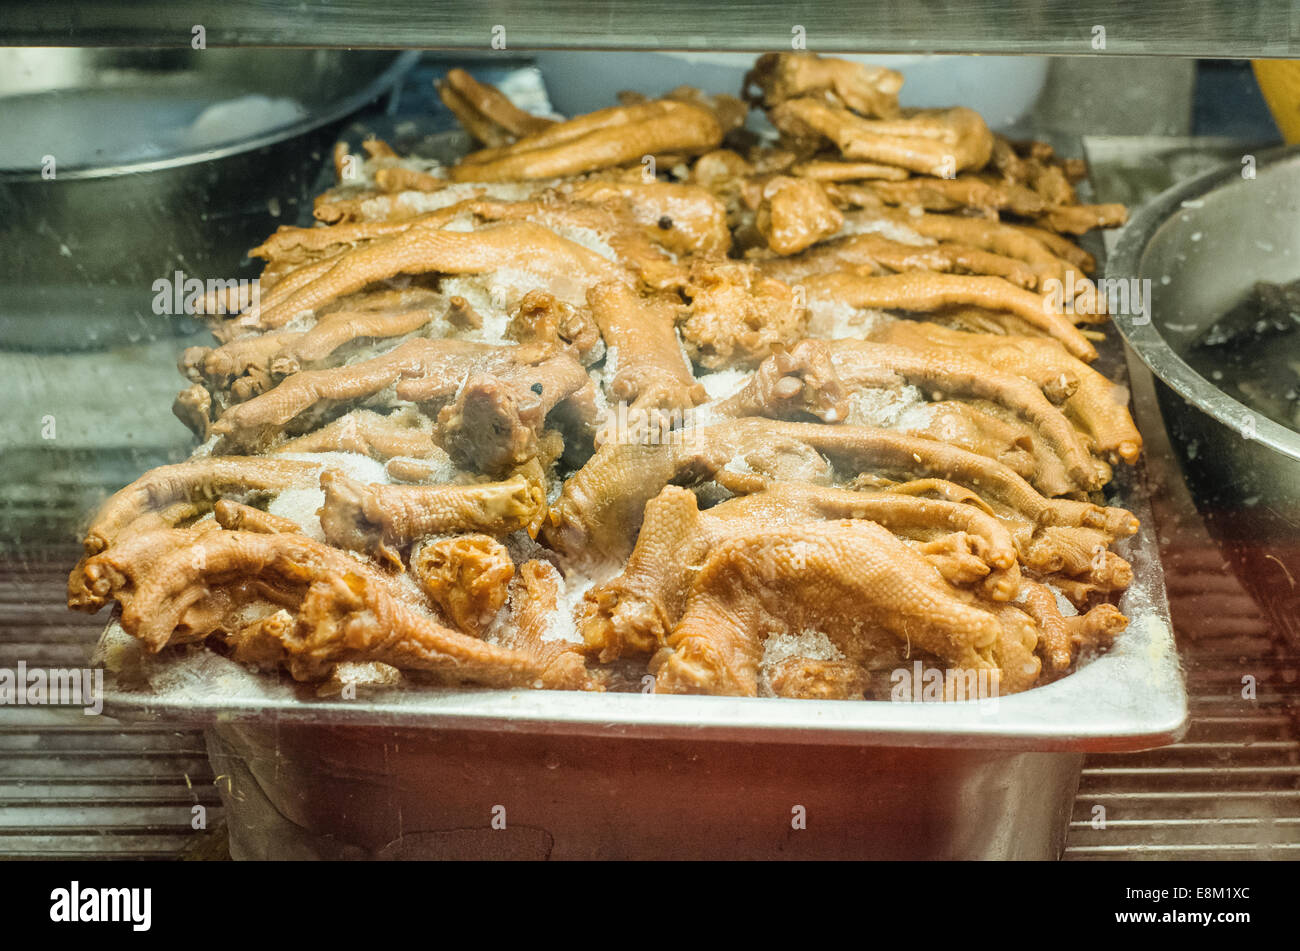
1228,789
1070,27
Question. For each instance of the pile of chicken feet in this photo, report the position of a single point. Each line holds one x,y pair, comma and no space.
646,394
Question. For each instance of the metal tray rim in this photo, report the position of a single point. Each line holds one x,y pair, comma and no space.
1131,698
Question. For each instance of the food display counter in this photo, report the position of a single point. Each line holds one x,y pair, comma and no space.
536,433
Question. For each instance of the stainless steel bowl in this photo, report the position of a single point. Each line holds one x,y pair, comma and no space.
130,201
1202,244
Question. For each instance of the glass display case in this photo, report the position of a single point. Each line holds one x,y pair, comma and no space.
949,333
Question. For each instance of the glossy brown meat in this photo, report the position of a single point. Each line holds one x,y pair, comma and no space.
922,291
867,90
381,518
939,142
604,139
467,576
851,580
576,367
649,369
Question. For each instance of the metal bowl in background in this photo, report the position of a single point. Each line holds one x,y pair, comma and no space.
112,175
1202,245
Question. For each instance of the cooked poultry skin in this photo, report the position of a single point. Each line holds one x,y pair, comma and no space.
640,390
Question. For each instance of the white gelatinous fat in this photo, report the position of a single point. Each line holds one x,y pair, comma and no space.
205,449
927,418
495,294
205,674
301,322
573,588
885,407
589,238
254,611
363,175
429,166
516,282
739,464
408,589
1063,603
302,503
681,348
460,223
301,506
721,384
884,227
488,306
811,644
597,378
424,202
371,673
833,319
117,650
354,465
808,644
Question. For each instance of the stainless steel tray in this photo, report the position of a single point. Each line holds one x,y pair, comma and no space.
1131,698
420,772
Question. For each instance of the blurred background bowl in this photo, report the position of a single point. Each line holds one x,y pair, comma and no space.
120,167
1001,88
1203,244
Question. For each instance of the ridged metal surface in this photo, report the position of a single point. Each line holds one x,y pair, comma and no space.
73,786
85,787
1231,788
1069,27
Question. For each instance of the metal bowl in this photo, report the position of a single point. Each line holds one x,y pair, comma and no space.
1202,245
126,200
